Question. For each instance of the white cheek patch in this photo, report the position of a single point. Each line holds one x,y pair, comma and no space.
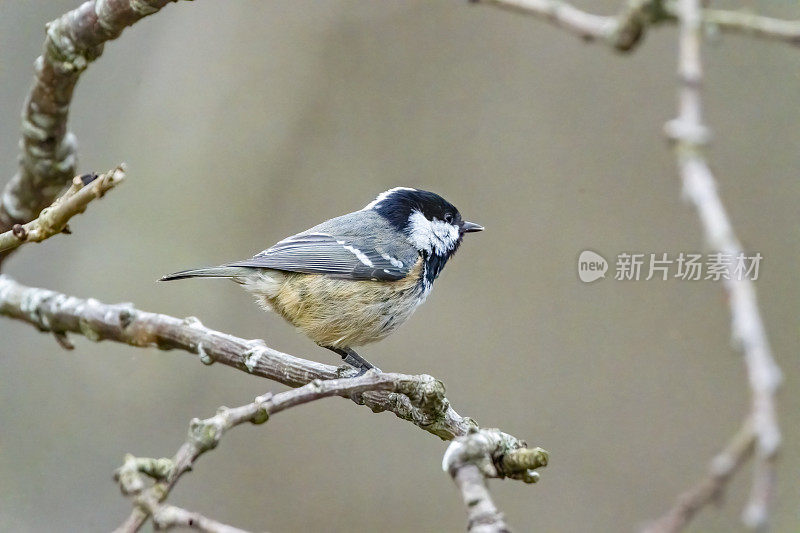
447,233
433,236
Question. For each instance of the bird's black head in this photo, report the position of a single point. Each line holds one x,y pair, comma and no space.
431,224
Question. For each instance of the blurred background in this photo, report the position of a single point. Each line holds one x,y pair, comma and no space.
244,122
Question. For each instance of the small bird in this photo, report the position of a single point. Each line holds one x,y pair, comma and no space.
353,279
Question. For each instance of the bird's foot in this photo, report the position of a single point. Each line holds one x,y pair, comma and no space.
363,370
350,357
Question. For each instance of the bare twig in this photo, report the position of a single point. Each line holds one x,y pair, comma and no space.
625,30
485,453
482,513
53,220
149,503
47,159
562,14
745,23
169,517
204,435
748,332
710,488
425,405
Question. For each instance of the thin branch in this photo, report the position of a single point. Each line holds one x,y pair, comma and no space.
169,517
700,188
710,488
622,32
53,220
48,150
562,14
425,405
205,435
750,24
148,502
625,30
489,453
482,513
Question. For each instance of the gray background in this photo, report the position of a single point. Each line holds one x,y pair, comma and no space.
243,122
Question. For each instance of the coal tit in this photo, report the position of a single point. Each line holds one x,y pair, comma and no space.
355,278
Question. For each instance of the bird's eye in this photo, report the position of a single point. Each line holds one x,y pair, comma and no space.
448,218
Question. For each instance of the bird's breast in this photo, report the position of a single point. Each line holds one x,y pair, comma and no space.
340,312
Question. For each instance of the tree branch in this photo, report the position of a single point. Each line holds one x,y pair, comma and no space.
48,151
419,399
700,188
625,30
585,25
489,453
205,435
425,405
742,22
169,517
482,513
53,220
710,488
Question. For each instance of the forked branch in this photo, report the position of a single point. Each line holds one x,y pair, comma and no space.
424,403
205,435
624,31
53,220
747,328
483,454
48,157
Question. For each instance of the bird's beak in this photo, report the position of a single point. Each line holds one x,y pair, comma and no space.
469,227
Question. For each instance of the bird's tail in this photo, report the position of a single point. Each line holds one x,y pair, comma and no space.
210,272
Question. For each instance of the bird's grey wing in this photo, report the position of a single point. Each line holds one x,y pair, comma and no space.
357,257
